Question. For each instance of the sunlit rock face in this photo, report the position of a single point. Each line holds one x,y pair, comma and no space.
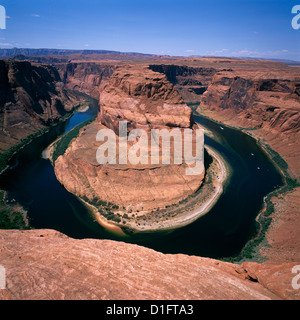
145,100
44,264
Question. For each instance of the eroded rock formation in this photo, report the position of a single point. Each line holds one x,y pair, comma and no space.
146,100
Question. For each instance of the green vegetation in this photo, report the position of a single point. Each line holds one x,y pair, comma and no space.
99,203
281,163
105,208
6,156
9,217
62,144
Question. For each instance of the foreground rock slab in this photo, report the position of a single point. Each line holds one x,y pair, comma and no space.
45,264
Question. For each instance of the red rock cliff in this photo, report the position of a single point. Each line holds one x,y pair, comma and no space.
86,77
32,96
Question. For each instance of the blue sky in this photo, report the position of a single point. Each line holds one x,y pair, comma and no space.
174,27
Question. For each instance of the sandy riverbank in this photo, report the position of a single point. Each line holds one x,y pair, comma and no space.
187,217
47,153
83,109
193,209
115,229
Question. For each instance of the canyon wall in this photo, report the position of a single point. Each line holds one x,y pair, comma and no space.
258,102
191,81
264,100
267,102
32,97
85,77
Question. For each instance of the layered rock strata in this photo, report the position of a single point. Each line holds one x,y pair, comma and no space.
32,96
145,100
85,77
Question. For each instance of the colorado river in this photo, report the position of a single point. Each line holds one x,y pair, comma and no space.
220,233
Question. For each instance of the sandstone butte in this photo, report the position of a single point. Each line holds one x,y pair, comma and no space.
146,100
44,264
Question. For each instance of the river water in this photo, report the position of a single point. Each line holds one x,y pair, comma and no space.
221,233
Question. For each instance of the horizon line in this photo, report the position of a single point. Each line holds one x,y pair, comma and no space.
154,54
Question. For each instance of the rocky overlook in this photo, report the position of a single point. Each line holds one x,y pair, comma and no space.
45,264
